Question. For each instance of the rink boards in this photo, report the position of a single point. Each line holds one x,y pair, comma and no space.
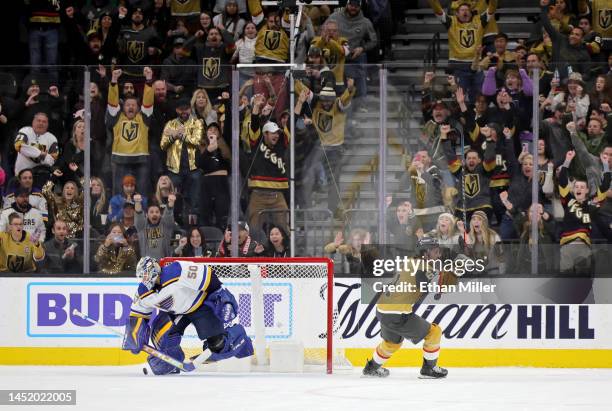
36,326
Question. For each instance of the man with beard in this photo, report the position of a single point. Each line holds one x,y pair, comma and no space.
163,111
36,199
181,139
213,57
473,189
129,127
579,213
31,219
61,255
155,230
138,45
92,48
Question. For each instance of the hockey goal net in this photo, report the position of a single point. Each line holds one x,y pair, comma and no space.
281,300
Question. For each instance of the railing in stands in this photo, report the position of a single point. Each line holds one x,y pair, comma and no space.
433,51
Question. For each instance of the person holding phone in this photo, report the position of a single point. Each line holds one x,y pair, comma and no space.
61,254
115,255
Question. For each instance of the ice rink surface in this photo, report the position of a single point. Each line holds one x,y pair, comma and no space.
127,388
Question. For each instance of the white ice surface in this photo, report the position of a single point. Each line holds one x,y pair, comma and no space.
127,388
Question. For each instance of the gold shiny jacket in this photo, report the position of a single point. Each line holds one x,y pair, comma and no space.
115,260
70,212
193,137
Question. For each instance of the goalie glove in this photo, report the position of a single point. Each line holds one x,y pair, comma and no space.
223,304
137,332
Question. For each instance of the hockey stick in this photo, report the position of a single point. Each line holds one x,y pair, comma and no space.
183,366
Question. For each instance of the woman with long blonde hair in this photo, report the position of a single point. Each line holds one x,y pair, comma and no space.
202,107
445,232
163,189
71,162
67,207
482,243
98,212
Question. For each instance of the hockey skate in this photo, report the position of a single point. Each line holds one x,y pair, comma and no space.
430,370
372,369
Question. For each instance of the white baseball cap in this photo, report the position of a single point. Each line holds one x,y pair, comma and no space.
270,127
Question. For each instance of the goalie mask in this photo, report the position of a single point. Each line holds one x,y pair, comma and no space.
147,271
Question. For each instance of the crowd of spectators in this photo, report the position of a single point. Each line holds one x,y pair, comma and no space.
474,173
160,126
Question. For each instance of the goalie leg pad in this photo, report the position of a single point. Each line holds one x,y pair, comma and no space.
136,334
223,304
167,340
236,343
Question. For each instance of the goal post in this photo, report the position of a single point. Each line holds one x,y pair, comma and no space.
282,299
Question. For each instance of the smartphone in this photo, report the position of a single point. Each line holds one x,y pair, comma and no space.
526,147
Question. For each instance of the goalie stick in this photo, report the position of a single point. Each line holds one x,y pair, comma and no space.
183,366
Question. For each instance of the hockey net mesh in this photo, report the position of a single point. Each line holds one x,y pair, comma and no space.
294,306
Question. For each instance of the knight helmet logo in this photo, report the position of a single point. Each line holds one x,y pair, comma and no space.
15,263
272,39
605,18
129,130
471,185
325,122
135,50
211,67
467,38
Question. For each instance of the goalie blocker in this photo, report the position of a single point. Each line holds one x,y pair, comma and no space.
185,293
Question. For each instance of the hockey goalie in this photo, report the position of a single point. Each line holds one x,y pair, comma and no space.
185,293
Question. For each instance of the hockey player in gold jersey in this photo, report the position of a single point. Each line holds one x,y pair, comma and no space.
399,322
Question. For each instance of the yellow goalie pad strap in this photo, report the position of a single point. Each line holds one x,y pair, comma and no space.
433,337
387,348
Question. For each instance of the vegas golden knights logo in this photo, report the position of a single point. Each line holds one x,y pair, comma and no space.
325,122
471,185
272,39
182,2
135,50
605,18
129,130
15,263
330,58
211,67
467,38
